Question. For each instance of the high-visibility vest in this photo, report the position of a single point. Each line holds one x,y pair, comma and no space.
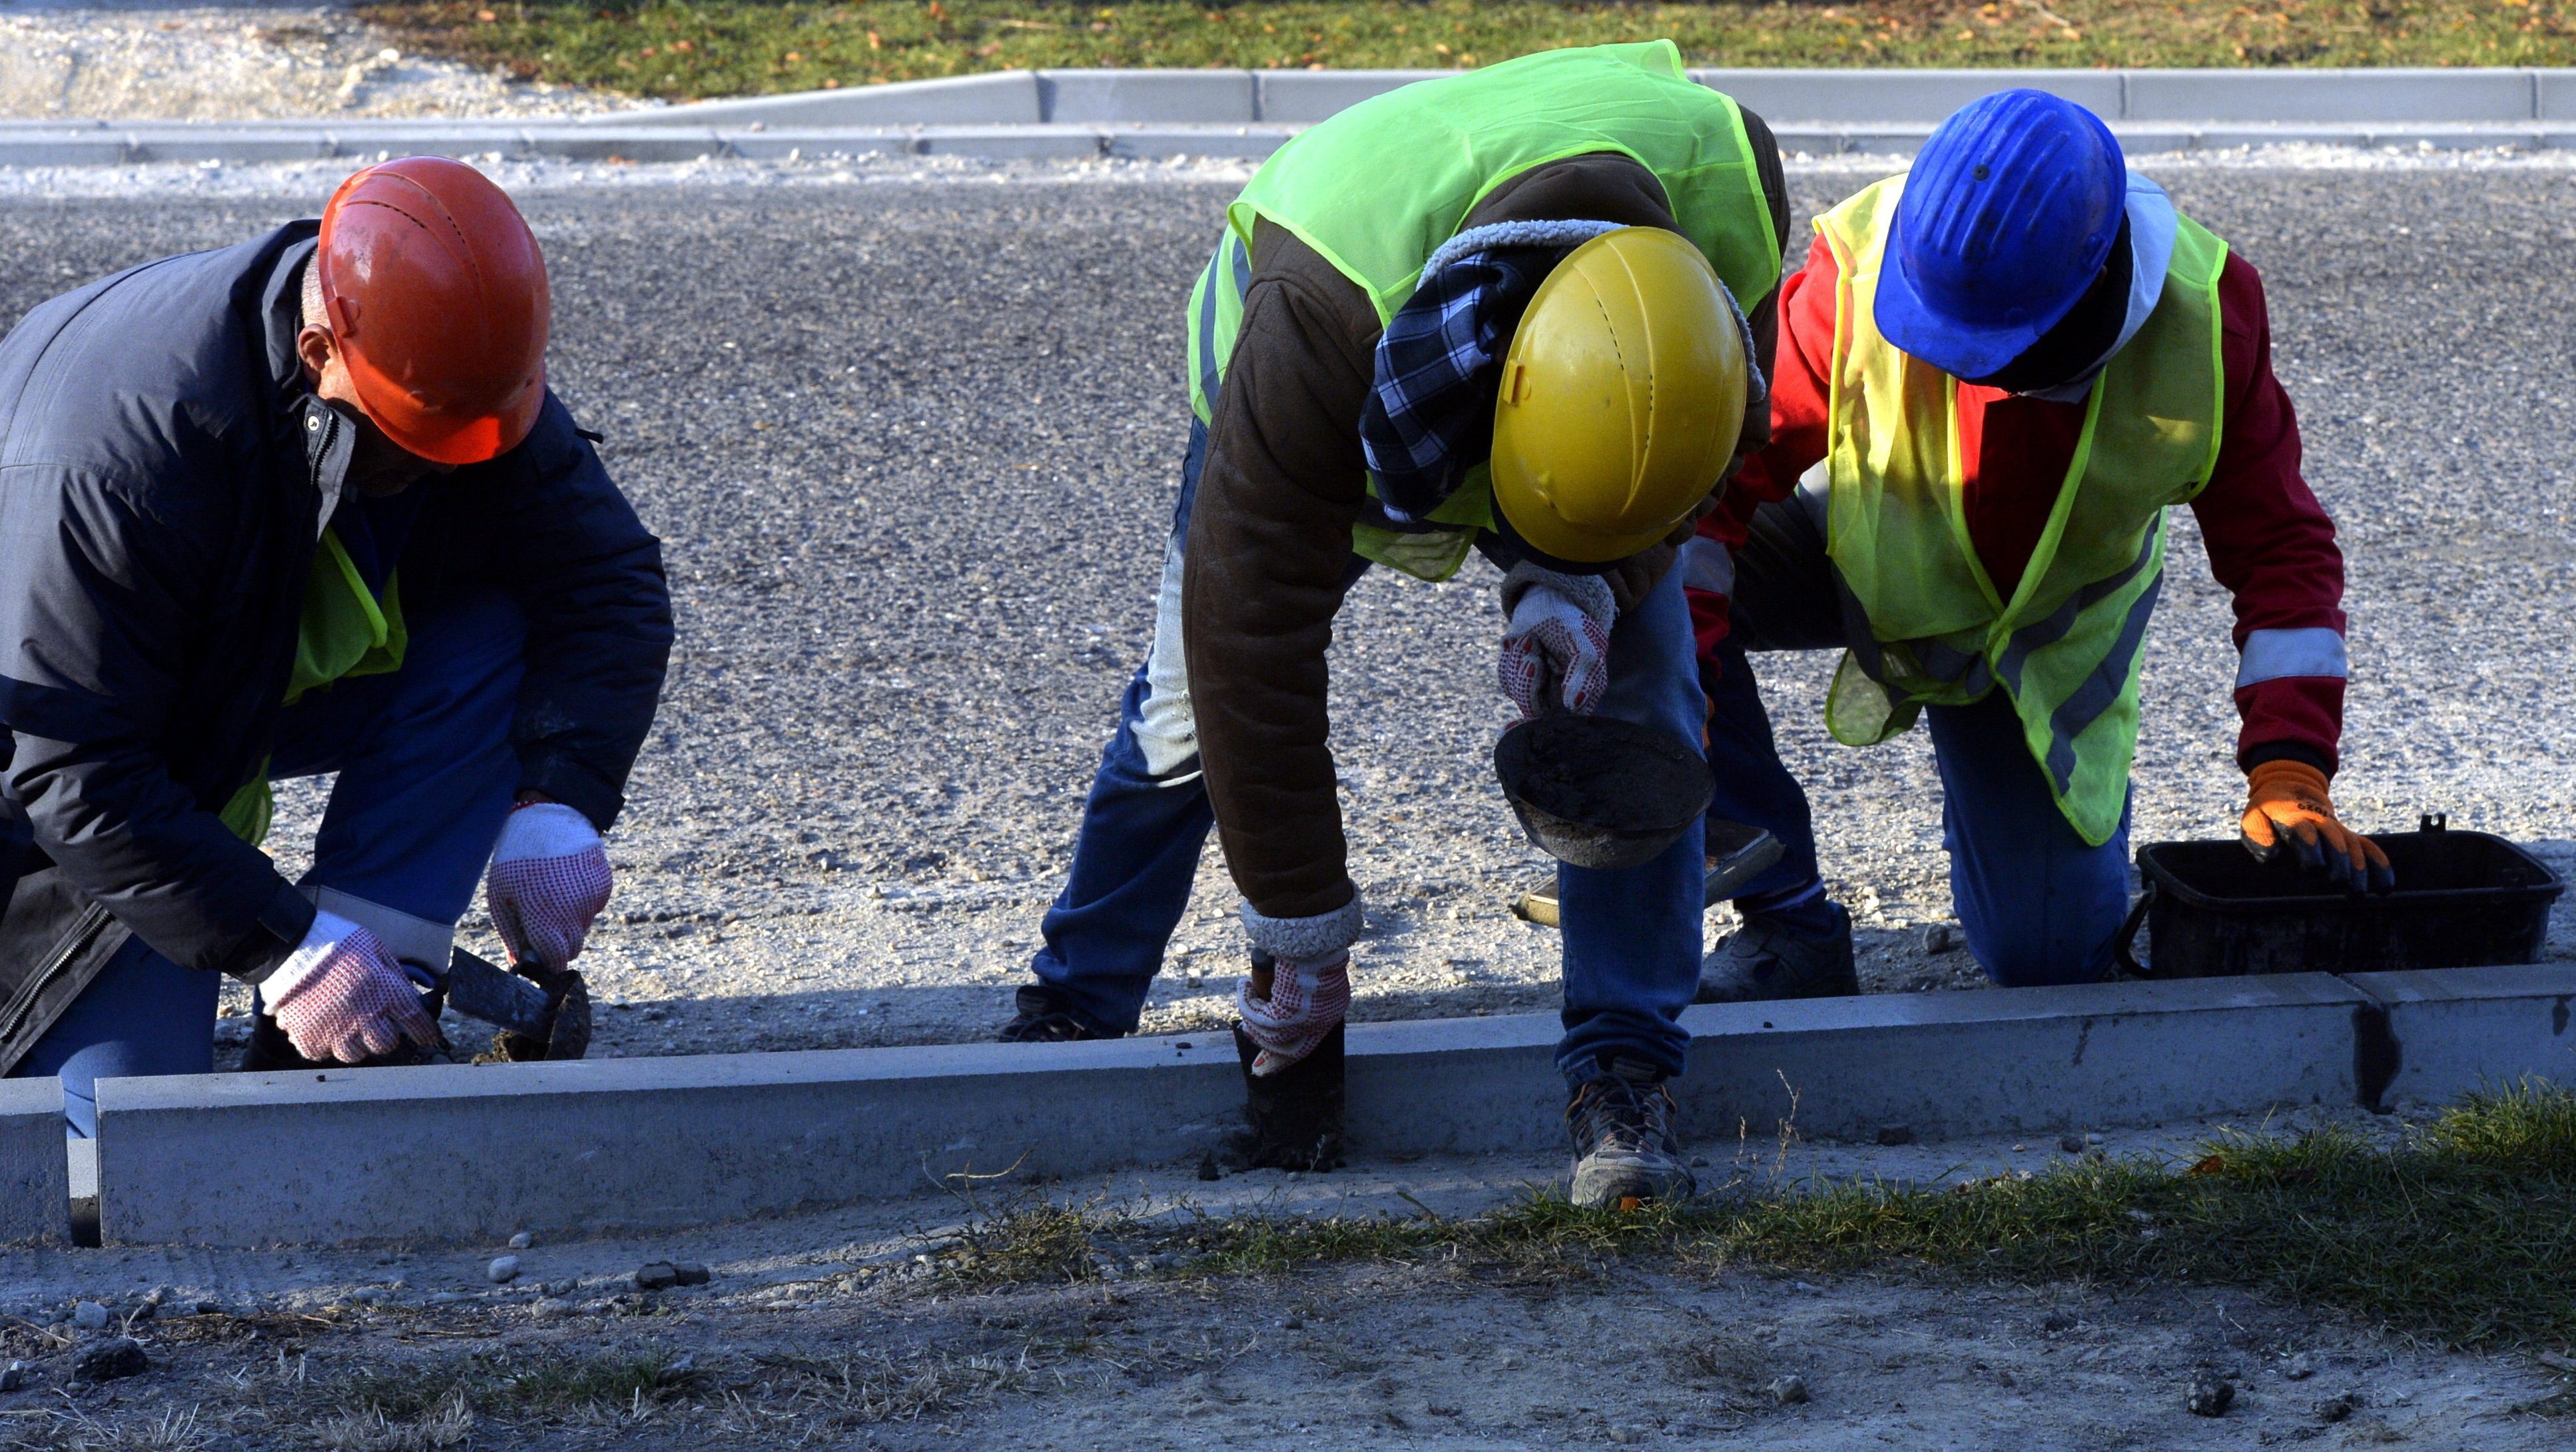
1379,187
2066,647
344,631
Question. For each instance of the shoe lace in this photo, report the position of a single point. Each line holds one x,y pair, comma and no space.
1613,1113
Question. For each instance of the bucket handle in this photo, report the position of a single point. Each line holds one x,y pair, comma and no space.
2125,943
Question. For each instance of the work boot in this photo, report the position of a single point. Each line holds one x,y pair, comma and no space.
1766,959
1624,1150
1046,1016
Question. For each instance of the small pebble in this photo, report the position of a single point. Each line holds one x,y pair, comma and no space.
522,1241
550,1308
661,1275
503,1270
1208,1169
691,1273
448,1298
1787,1390
2073,1144
2209,1396
2301,1366
2336,1409
1622,1436
14,1376
1292,1323
90,1316
1896,1134
1939,938
109,1360
2091,1138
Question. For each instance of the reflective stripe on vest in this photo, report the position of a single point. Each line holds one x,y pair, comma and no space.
2067,646
1380,186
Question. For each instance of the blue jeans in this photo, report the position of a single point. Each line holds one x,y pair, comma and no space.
427,772
1631,939
2036,902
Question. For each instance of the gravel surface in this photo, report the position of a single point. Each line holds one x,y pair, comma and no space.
231,62
912,445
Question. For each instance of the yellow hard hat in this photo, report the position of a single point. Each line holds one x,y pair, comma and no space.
1621,399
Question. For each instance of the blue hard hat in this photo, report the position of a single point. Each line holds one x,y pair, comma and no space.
2006,219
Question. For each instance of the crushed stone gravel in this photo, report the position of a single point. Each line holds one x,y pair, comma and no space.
229,63
911,437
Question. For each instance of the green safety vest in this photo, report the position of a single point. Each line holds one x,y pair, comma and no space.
344,631
2066,647
1379,187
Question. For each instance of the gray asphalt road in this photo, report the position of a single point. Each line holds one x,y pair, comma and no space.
913,449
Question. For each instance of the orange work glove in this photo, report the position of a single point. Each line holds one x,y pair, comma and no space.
2287,812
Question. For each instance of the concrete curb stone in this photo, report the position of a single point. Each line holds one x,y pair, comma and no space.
2456,1031
35,1184
1018,115
457,1153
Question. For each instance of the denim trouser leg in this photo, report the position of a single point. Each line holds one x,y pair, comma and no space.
1753,785
427,770
142,1014
1133,862
1632,938
2036,902
426,775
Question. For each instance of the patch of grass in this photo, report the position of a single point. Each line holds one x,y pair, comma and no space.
2465,1229
686,51
436,1404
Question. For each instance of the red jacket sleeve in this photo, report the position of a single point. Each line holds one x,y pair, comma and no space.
2272,545
1799,389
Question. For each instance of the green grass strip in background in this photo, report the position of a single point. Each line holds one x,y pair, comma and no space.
684,52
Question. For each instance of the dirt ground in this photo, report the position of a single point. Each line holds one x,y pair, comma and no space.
831,1330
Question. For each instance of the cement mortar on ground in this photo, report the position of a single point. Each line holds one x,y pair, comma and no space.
232,63
911,434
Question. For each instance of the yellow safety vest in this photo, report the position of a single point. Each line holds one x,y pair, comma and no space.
344,631
2066,646
1379,187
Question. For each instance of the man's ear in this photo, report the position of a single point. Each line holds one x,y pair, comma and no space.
315,347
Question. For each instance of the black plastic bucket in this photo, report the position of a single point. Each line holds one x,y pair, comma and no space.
2463,900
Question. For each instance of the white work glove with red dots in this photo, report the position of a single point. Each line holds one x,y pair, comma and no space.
549,881
341,996
1306,1002
1556,648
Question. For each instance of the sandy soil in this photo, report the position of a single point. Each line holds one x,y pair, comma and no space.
227,63
824,1329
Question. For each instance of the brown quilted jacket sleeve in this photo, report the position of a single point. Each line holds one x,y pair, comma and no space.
1269,543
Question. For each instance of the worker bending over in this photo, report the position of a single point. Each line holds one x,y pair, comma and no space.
297,506
1488,312
1996,373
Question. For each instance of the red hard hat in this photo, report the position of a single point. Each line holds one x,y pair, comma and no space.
437,298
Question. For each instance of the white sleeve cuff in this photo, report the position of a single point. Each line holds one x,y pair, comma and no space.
329,931
1306,940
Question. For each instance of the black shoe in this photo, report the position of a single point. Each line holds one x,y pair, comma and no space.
1624,1150
1046,1016
1767,960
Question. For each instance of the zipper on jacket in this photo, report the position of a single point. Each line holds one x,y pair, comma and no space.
92,918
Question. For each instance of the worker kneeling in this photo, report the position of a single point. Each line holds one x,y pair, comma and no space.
298,506
1997,372
1491,312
